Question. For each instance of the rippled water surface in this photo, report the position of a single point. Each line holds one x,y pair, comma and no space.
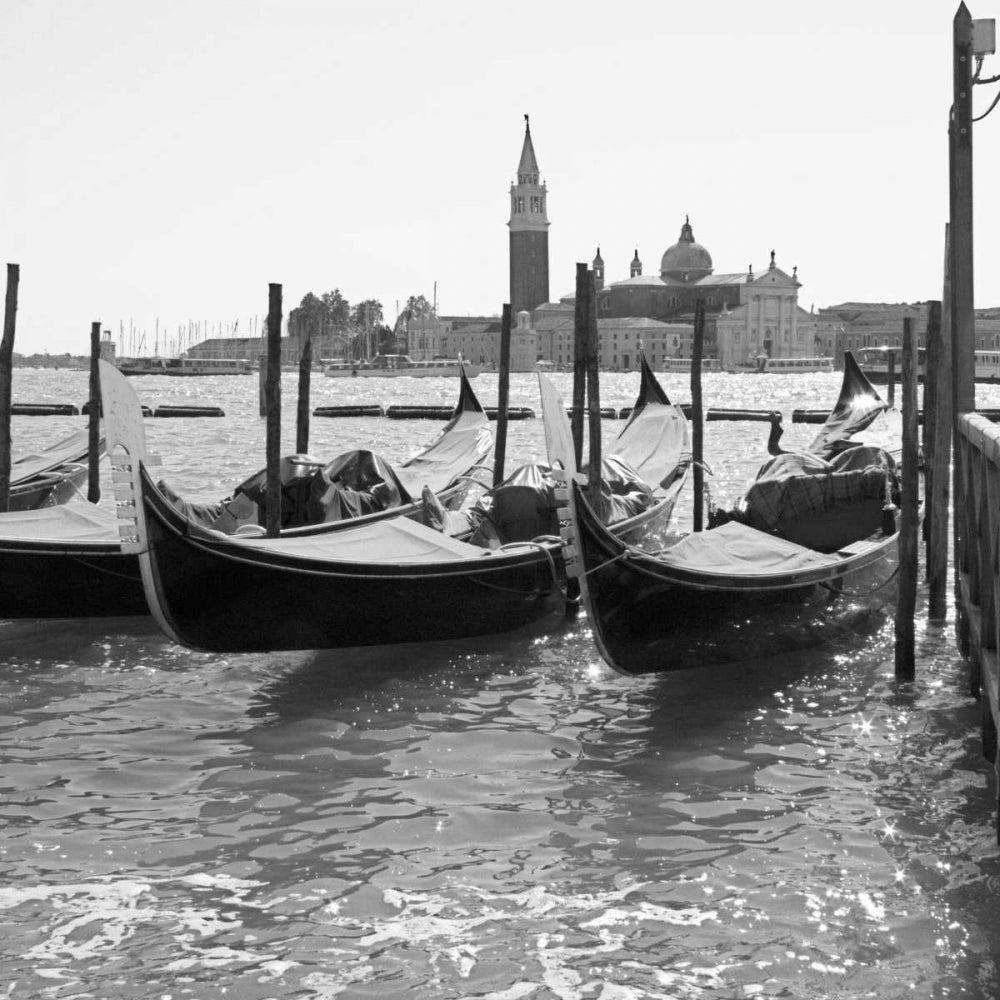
500,818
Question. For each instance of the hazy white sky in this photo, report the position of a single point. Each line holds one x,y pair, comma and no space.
166,161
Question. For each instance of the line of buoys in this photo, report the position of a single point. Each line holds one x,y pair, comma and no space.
188,411
43,410
607,412
761,416
349,411
147,411
513,412
419,412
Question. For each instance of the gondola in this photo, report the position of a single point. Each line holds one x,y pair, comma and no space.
392,582
51,476
737,592
67,561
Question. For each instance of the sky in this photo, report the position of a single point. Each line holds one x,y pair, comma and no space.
162,163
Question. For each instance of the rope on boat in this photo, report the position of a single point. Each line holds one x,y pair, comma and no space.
840,592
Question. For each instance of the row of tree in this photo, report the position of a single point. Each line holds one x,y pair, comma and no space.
338,329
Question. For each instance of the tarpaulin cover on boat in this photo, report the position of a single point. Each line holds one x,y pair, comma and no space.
74,522
397,541
735,549
71,449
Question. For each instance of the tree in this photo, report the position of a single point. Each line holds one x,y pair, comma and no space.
368,314
417,305
338,310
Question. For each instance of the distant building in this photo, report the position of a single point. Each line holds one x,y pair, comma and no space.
529,233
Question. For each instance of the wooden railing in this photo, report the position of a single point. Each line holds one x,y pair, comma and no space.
977,568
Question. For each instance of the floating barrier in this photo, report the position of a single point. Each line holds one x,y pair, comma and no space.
419,412
513,412
349,411
188,411
43,410
147,411
607,412
760,416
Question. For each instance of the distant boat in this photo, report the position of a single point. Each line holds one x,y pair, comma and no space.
398,365
684,365
786,366
874,363
184,366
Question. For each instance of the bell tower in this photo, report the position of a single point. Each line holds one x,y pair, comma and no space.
529,233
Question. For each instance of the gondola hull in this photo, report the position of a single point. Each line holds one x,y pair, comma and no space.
650,618
222,596
39,580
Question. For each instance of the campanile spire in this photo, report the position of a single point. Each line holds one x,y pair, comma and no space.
529,236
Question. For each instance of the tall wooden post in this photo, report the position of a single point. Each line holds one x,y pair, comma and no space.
937,454
906,596
503,398
302,410
272,395
963,324
579,362
698,416
6,376
94,418
890,378
593,397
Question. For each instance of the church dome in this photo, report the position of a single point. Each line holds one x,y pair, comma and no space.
686,260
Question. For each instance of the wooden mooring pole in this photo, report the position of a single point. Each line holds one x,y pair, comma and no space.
698,417
94,418
503,398
937,457
302,409
272,396
906,598
593,398
579,362
6,375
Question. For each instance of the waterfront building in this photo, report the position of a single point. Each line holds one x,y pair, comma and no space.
529,232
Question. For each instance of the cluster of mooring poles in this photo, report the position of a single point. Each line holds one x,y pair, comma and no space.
975,441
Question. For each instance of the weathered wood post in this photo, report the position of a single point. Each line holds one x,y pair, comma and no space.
503,398
961,284
6,376
272,397
890,378
579,361
593,398
937,456
906,595
963,325
94,418
698,416
302,409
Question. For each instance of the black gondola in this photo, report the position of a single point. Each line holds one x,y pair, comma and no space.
67,561
739,592
398,581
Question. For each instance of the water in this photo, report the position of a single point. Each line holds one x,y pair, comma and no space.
500,818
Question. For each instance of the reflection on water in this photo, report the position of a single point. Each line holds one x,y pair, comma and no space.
501,818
